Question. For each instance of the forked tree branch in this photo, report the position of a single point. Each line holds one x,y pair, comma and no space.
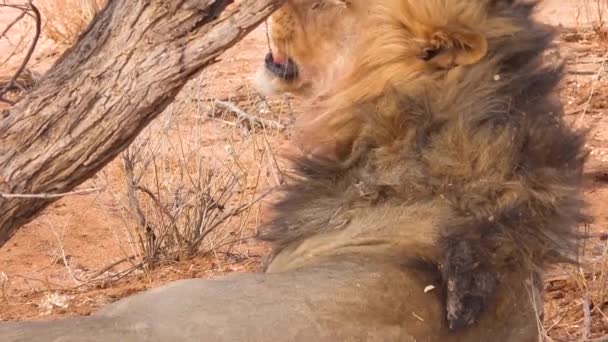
124,70
26,9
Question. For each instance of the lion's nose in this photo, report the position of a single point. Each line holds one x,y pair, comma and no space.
286,70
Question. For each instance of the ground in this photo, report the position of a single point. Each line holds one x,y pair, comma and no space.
84,250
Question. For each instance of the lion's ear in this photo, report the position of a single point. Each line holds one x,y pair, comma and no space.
449,49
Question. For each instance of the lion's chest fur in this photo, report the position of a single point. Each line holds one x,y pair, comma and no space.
389,231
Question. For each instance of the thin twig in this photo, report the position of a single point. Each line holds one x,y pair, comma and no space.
111,266
4,284
229,242
242,115
44,196
133,200
115,277
604,275
62,255
156,201
587,317
28,55
13,23
232,212
593,87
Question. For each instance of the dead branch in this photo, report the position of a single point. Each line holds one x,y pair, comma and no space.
251,119
587,317
12,23
123,71
38,19
230,213
71,193
111,266
146,243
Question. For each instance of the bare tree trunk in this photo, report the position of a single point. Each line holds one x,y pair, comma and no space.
123,71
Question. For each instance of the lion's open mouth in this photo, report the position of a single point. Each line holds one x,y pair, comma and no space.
286,70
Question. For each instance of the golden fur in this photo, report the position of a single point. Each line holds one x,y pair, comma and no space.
295,31
445,108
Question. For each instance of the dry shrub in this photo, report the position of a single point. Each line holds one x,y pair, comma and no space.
194,182
596,13
64,20
576,300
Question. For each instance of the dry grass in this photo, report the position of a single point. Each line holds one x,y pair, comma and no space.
596,13
576,303
193,182
64,20
591,22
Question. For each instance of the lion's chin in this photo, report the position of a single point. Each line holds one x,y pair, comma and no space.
267,84
263,83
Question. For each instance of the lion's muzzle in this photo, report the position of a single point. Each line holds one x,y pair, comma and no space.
286,70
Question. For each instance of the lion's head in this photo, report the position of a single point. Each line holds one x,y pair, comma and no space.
309,41
350,53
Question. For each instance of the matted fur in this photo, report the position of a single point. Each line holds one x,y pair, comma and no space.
446,106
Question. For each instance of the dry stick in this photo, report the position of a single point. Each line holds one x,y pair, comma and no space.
593,86
156,201
557,322
587,316
4,284
129,236
232,212
604,275
116,277
28,55
133,201
49,284
13,23
111,266
250,118
63,255
274,165
43,196
533,300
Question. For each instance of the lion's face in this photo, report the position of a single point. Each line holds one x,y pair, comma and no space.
348,54
315,43
310,40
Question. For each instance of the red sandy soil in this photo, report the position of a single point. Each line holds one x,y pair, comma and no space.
35,282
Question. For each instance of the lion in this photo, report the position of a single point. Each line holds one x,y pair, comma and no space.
444,102
449,184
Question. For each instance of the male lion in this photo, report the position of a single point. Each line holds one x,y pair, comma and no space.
453,184
444,108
